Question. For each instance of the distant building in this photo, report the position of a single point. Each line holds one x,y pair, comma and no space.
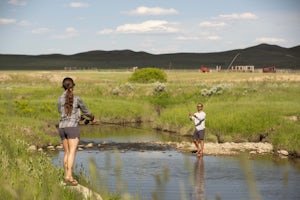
135,68
242,68
269,69
218,68
204,69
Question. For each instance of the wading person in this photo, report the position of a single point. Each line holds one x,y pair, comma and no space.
199,132
70,108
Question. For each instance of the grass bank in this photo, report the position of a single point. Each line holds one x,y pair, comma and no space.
239,107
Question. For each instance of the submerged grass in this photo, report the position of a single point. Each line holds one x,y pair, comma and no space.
239,107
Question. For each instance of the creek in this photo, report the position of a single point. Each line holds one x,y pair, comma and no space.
125,163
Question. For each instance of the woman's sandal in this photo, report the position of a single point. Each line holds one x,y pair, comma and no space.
71,182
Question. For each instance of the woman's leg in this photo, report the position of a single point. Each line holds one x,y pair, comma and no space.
66,155
72,143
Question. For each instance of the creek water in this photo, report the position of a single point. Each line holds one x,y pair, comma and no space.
164,173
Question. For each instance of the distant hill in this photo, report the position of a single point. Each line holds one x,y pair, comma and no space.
260,56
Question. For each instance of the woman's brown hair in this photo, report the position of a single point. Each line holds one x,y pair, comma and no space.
68,84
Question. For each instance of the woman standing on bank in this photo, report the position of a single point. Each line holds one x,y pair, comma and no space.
70,108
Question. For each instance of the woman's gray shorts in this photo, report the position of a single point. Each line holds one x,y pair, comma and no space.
69,133
199,134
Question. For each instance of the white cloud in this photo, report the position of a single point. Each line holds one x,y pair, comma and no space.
7,21
187,38
269,40
233,16
202,36
105,32
152,11
212,24
69,32
17,2
213,37
40,31
78,5
150,26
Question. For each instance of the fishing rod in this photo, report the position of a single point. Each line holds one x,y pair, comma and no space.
233,60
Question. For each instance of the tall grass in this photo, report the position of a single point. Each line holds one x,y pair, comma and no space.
25,174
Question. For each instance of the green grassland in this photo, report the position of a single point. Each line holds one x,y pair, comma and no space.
239,106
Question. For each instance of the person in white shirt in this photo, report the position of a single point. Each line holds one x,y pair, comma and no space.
199,133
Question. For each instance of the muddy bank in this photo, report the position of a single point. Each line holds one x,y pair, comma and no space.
231,148
228,148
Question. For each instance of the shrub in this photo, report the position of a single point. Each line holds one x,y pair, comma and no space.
148,75
161,99
116,91
23,107
159,87
218,89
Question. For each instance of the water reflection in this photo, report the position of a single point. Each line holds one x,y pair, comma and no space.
110,133
199,184
161,181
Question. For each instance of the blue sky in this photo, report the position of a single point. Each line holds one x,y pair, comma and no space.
36,27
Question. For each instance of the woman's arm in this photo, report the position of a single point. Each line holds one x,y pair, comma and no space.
85,110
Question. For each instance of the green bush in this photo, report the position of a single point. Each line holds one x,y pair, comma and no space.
148,75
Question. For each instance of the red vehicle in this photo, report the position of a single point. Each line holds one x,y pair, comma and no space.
204,69
269,69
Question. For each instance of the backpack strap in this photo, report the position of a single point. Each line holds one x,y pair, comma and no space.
200,121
